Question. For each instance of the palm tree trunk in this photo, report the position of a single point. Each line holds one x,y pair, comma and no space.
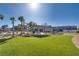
21,28
13,31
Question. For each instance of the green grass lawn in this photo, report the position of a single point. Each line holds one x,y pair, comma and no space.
53,45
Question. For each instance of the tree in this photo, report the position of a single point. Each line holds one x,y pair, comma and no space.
12,19
22,20
1,17
31,24
4,27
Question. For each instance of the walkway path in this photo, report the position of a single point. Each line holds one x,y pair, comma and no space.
75,40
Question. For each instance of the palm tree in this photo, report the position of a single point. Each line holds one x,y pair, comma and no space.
31,24
4,27
1,17
12,21
22,20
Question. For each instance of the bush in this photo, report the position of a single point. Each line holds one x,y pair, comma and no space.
77,31
40,35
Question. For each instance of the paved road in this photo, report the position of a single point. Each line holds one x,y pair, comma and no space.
75,40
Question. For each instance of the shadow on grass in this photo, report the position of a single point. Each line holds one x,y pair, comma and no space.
2,41
40,36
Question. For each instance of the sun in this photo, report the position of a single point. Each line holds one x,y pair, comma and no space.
34,6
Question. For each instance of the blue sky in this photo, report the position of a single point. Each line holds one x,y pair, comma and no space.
52,14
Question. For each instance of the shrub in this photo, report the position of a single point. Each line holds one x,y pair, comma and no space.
77,31
40,36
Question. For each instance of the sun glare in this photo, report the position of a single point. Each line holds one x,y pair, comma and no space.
34,6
